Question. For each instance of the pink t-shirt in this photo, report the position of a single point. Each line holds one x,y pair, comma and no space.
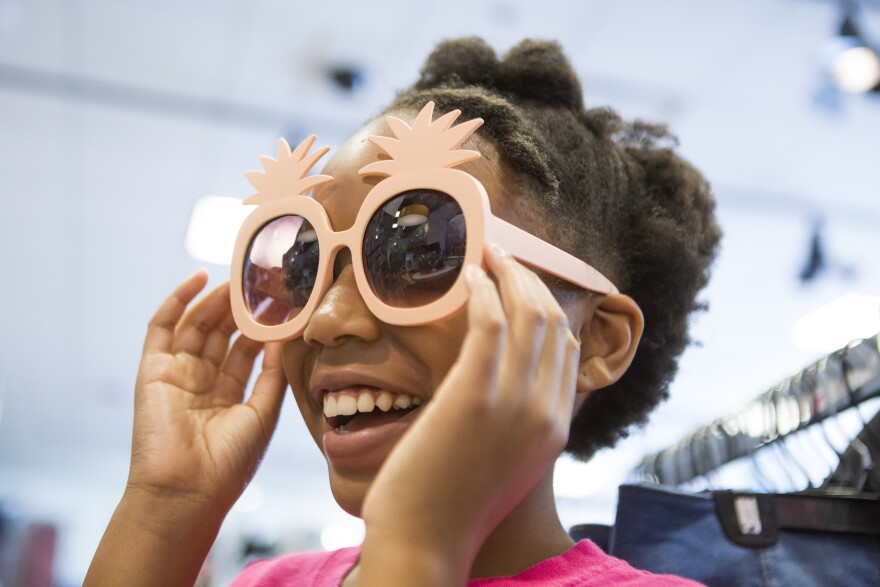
583,565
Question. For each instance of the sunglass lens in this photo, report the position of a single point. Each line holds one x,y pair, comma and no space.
414,248
280,270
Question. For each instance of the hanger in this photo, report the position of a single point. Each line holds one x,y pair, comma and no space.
802,396
872,436
812,398
788,422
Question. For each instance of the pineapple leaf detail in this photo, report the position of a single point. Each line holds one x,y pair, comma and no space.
425,144
287,174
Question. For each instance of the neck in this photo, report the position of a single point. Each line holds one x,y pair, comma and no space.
528,535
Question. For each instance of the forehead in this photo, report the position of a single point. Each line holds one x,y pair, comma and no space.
342,198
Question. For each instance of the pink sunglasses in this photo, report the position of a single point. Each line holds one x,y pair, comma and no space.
414,233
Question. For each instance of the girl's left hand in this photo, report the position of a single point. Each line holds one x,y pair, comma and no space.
494,427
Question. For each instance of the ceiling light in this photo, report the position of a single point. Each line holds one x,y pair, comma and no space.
307,233
838,323
413,215
856,69
855,66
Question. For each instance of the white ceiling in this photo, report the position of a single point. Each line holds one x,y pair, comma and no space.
116,115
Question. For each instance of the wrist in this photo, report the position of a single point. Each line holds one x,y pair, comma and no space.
157,510
155,538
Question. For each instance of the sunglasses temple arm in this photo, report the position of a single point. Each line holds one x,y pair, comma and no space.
536,252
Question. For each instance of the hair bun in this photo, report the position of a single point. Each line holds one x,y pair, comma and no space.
539,70
460,62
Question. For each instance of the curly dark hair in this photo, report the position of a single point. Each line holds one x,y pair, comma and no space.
612,193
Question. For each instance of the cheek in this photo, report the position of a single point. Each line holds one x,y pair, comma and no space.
439,346
296,357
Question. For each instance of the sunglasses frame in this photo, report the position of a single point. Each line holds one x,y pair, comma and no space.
481,227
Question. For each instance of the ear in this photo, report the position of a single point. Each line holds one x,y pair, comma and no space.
609,339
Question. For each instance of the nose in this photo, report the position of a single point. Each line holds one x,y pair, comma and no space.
342,312
343,260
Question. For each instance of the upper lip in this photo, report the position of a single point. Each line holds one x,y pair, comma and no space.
331,380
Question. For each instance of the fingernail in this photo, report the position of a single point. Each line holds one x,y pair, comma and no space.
473,273
497,251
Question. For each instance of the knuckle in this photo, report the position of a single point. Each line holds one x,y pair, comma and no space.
250,348
544,425
494,325
481,406
534,317
161,369
572,349
572,344
187,368
157,322
201,325
227,329
558,320
558,437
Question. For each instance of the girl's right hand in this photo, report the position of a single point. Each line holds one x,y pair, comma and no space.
194,437
195,445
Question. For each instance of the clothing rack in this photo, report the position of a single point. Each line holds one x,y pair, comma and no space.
837,382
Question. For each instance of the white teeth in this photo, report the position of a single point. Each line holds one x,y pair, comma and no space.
366,403
384,401
330,407
347,405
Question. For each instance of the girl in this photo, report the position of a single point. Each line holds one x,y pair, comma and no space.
440,419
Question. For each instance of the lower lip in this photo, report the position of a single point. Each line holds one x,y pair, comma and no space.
365,448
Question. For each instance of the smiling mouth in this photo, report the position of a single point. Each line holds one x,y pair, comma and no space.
357,408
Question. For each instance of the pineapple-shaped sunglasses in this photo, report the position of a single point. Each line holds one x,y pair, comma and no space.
414,232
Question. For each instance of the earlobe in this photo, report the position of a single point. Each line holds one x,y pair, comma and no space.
609,339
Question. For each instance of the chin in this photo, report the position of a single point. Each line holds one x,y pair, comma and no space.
350,493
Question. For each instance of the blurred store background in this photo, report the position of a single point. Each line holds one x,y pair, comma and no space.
118,118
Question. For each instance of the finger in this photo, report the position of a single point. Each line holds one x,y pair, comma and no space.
160,332
269,389
193,330
217,342
556,381
236,369
552,365
478,361
565,408
514,285
558,335
527,313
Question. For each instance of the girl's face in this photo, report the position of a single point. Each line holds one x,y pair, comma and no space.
347,350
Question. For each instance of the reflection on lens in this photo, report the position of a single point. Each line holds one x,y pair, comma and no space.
414,248
280,270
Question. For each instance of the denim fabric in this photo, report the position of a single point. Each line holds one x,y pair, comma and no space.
664,531
599,534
